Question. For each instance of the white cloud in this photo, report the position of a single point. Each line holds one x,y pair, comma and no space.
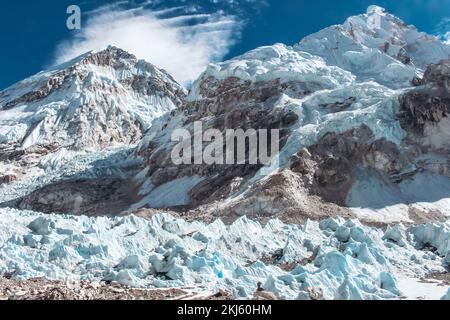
443,30
183,45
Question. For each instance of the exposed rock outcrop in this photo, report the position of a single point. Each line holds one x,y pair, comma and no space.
424,110
90,197
228,104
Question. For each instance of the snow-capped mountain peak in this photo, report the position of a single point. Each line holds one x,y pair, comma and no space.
93,101
380,29
377,46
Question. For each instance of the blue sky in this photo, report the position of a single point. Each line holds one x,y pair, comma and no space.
34,34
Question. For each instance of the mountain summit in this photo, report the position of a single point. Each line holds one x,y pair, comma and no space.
377,45
97,100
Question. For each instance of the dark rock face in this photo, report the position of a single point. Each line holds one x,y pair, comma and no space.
331,165
421,106
228,104
438,74
429,103
90,197
241,104
8,178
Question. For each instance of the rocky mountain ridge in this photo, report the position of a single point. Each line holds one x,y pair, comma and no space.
341,98
95,101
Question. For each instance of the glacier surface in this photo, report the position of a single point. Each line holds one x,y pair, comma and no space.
331,259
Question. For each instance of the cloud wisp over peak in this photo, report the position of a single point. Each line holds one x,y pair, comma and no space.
183,43
443,30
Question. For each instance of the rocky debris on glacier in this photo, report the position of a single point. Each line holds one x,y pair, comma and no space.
67,181
333,259
90,197
42,289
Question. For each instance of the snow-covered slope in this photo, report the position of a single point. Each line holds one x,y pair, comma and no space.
277,61
97,100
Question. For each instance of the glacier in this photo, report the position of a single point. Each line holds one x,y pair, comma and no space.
341,259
